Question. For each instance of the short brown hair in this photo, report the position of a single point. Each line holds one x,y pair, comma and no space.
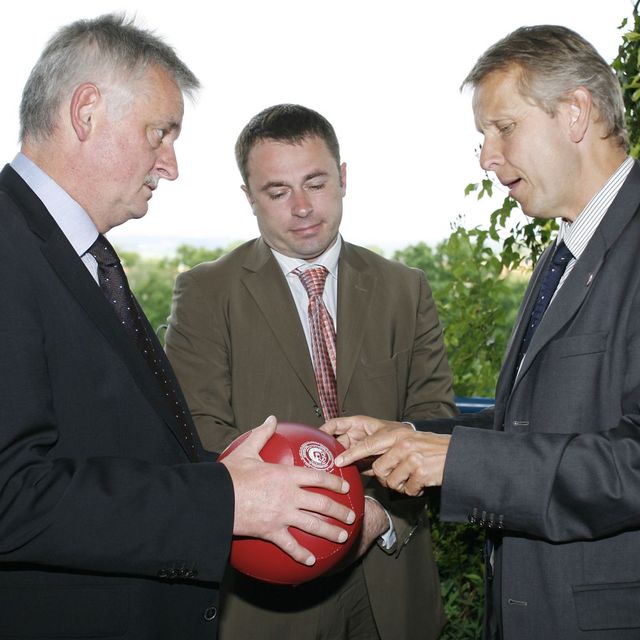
285,123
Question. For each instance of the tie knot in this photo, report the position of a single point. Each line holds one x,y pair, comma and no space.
562,255
103,252
313,280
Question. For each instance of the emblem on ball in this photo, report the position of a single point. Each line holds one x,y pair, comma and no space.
316,456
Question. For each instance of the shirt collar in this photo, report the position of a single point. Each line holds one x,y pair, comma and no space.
74,221
576,234
329,260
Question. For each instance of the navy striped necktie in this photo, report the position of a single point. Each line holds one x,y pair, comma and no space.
555,269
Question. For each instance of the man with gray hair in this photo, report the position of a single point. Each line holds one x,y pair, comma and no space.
553,472
113,520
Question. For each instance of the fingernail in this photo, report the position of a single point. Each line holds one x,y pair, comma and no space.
345,486
310,561
351,518
339,460
343,536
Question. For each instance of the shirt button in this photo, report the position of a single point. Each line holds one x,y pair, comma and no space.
210,613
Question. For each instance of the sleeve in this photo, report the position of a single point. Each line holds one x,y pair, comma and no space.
555,486
479,420
198,347
558,486
430,384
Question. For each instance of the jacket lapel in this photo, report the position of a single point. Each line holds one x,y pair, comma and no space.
268,287
356,285
71,271
585,272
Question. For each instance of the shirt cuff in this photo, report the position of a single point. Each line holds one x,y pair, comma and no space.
388,539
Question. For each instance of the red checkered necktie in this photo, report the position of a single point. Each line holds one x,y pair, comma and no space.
323,340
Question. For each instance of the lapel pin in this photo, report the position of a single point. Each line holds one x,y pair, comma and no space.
589,279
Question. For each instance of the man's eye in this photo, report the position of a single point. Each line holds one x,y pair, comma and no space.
276,195
507,129
156,136
316,187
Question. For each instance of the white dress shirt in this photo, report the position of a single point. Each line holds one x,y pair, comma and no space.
329,260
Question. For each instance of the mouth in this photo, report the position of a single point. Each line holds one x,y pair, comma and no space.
308,230
511,185
152,187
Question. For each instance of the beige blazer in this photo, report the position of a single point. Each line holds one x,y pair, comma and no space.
239,351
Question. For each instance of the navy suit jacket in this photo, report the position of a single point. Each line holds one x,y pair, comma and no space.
107,528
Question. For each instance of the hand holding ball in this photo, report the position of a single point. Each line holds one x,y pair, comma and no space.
303,446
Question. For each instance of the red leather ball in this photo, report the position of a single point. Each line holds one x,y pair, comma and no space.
302,446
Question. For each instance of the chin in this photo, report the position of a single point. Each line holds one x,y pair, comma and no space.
140,213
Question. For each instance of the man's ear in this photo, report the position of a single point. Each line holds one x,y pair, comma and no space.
83,105
343,178
247,194
580,107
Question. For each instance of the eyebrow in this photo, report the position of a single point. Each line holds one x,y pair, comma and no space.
279,183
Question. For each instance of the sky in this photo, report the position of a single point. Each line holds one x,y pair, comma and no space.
386,74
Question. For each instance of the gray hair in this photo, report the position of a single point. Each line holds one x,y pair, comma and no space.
107,47
553,61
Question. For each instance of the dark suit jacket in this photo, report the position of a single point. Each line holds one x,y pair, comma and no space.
560,469
237,345
106,527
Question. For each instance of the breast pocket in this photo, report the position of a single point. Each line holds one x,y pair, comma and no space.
378,388
566,383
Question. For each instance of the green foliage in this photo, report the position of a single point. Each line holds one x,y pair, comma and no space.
477,299
521,240
458,554
627,68
152,279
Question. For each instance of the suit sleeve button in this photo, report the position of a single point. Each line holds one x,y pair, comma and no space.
210,613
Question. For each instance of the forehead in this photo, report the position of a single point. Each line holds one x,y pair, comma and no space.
284,157
159,98
498,95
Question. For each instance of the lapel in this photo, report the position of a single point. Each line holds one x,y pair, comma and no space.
268,287
587,269
356,285
72,272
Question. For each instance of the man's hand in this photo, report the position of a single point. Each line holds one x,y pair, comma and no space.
270,498
408,460
354,429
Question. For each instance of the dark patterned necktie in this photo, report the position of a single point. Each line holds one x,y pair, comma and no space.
115,287
552,277
323,340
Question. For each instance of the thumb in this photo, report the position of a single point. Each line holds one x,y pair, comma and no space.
260,436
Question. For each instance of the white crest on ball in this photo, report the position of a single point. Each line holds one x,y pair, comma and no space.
316,456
